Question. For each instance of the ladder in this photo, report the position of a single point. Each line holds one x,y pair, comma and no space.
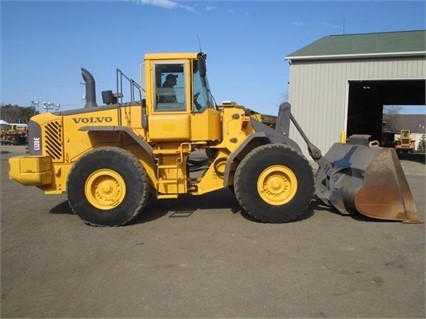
171,173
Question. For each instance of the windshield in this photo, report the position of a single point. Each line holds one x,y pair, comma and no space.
203,98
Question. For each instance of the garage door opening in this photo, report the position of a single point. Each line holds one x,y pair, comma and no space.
367,99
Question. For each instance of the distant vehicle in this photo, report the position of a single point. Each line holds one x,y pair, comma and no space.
13,133
405,143
18,127
4,125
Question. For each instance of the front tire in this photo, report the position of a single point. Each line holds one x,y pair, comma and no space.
107,187
274,183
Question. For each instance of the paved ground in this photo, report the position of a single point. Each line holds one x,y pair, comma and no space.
199,257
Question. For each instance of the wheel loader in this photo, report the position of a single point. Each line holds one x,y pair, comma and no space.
405,142
110,159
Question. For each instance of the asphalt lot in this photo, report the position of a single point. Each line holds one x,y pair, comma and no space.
199,257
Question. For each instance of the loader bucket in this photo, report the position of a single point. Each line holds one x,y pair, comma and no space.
366,180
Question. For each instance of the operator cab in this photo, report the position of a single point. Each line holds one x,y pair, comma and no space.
176,80
180,105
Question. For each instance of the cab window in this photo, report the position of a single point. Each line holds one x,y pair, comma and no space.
199,93
202,98
169,87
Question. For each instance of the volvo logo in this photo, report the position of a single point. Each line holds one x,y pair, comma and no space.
96,119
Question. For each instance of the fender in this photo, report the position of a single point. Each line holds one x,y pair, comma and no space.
263,133
142,143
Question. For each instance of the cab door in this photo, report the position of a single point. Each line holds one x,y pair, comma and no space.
171,106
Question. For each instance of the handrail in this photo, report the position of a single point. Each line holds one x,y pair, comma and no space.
133,86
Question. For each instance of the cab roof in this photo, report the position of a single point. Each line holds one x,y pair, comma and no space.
171,56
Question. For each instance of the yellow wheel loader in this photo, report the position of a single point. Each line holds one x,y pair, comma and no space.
110,159
405,142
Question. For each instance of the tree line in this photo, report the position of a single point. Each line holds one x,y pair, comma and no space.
17,114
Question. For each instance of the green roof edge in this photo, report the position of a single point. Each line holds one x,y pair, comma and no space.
378,44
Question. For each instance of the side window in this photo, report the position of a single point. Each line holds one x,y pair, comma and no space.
202,98
169,87
199,93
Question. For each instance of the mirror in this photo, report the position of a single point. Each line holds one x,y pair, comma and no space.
202,64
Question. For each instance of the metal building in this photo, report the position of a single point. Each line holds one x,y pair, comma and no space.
340,83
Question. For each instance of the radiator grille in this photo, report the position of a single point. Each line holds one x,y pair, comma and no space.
53,139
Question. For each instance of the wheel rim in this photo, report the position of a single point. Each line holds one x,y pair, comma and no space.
105,189
277,185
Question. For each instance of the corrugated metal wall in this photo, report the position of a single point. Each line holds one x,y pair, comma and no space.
318,92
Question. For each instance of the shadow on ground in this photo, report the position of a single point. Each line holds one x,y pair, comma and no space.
183,206
186,205
419,158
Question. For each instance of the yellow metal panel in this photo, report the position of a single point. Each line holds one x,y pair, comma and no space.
169,127
31,170
206,126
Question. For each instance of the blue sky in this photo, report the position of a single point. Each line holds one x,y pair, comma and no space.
45,43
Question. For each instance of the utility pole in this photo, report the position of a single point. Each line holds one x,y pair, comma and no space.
51,106
48,106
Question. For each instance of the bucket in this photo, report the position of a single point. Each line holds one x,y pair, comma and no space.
368,180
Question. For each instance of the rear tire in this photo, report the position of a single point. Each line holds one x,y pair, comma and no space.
274,183
107,187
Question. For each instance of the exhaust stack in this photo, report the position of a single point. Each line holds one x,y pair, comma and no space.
90,88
